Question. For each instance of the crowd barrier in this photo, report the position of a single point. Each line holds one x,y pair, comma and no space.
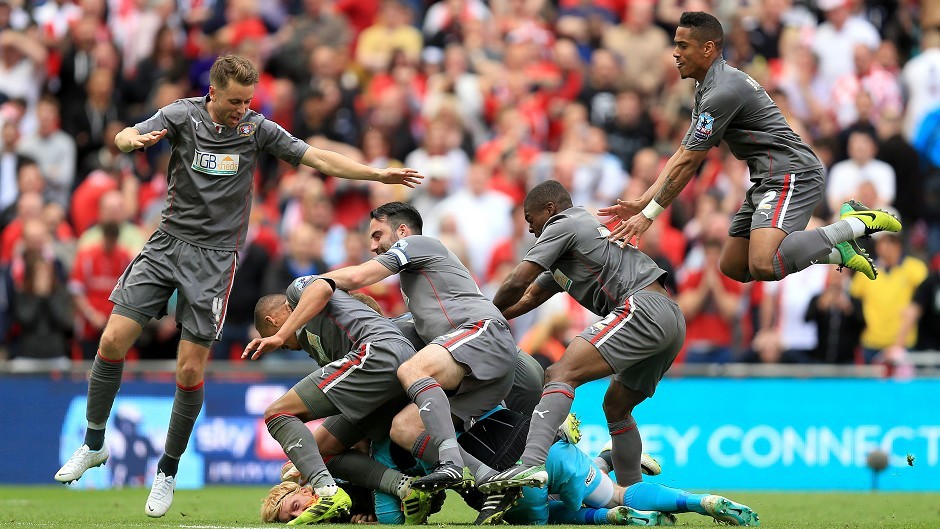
709,432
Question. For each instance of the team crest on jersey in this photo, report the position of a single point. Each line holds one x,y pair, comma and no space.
603,231
216,164
704,126
563,281
246,129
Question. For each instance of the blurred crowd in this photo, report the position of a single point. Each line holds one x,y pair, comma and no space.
486,99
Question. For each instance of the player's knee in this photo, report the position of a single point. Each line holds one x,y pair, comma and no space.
403,429
408,373
734,271
111,345
560,373
762,270
274,409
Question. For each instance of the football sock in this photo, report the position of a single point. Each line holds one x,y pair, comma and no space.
187,403
103,385
423,449
626,451
168,465
655,497
549,413
801,249
300,446
559,513
434,410
360,469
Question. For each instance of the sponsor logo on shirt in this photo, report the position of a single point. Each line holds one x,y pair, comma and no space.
562,280
704,126
317,346
219,164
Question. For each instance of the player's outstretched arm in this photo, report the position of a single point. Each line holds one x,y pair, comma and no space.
678,172
130,139
534,296
312,300
335,164
358,276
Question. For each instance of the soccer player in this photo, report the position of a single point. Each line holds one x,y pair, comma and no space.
359,353
215,141
636,341
470,348
586,495
766,240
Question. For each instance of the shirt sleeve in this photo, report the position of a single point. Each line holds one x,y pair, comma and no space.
546,281
168,117
273,139
556,239
923,294
718,108
296,288
410,253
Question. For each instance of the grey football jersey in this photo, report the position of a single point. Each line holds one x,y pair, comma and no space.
210,173
730,105
344,325
438,288
579,259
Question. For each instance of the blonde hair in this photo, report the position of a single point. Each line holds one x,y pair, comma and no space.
271,504
368,301
232,68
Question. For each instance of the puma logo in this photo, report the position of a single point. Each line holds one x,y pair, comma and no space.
426,407
541,414
298,444
766,214
196,122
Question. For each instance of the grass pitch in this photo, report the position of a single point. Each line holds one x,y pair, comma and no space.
237,507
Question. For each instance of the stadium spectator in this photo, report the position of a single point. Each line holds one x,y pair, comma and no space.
920,78
22,57
640,43
884,301
10,162
96,270
316,25
835,38
881,85
42,310
53,149
839,320
391,32
924,312
303,256
846,176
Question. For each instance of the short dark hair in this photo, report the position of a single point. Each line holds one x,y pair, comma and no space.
548,191
265,307
232,67
705,27
397,213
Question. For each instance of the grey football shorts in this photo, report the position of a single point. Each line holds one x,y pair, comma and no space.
363,380
202,276
640,339
486,348
786,202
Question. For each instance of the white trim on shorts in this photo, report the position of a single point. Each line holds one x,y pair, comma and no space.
618,326
345,367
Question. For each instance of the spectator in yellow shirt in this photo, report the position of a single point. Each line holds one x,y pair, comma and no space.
884,300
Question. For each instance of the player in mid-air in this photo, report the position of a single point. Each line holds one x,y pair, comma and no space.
767,239
470,348
215,142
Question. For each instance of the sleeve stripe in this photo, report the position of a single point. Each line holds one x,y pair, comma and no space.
400,255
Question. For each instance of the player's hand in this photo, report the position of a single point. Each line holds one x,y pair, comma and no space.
262,345
401,175
146,140
623,209
630,230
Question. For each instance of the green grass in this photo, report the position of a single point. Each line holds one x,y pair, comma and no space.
229,507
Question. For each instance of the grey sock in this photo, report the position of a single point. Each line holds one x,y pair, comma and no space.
801,249
435,413
424,449
187,404
626,452
840,231
103,385
478,469
300,446
360,469
550,412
